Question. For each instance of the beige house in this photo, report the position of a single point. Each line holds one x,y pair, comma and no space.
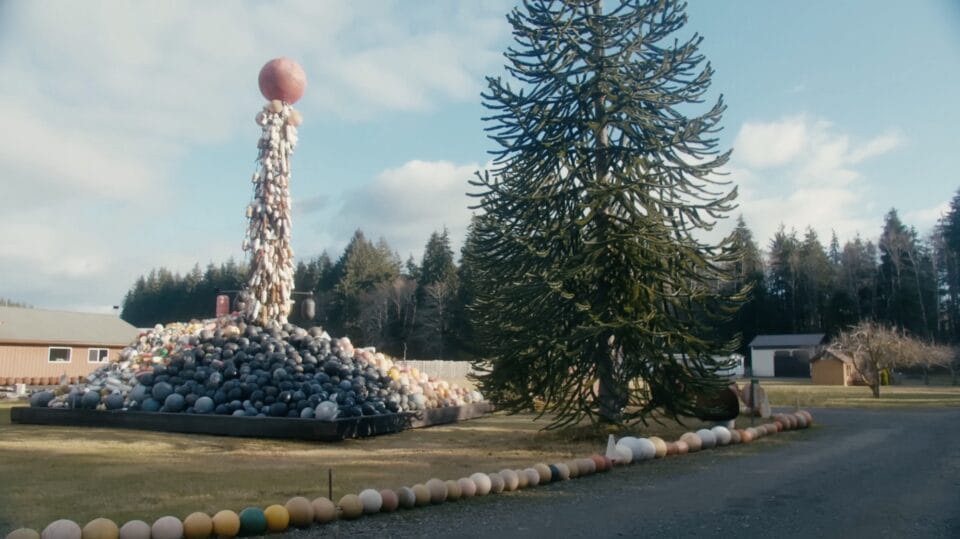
38,346
832,368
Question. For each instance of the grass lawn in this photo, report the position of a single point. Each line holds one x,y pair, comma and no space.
803,393
79,473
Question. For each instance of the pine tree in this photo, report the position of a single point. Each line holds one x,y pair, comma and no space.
589,266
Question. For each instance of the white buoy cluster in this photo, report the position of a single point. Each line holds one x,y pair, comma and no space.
270,287
630,450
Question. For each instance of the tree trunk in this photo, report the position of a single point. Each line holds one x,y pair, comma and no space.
608,397
875,387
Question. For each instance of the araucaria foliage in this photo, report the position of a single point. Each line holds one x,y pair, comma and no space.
596,295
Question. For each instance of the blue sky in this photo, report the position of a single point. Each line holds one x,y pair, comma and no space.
129,137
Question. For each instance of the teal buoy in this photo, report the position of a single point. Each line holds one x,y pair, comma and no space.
253,521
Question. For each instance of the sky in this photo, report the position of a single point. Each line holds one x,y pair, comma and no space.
129,135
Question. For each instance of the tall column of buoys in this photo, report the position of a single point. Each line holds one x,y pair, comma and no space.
268,297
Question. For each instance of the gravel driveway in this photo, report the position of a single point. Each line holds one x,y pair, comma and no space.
859,473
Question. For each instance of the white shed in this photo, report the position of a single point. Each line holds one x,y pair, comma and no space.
784,355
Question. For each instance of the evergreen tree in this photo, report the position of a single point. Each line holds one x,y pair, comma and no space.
904,268
782,281
589,267
361,270
747,273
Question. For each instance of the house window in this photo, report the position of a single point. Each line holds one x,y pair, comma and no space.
59,355
97,355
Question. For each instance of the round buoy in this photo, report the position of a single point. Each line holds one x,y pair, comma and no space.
350,506
372,501
496,483
101,528
406,497
137,529
324,510
521,479
633,445
453,490
564,471
168,527
722,435
62,529
253,521
554,473
390,501
544,471
734,436
660,445
624,454
672,448
745,436
282,79
300,510
482,481
694,443
708,439
682,447
438,490
468,488
422,494
23,533
647,449
599,462
278,519
801,420
808,416
587,466
197,525
533,477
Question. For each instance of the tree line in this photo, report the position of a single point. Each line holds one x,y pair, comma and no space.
421,308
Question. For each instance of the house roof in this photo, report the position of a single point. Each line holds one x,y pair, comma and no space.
21,325
799,340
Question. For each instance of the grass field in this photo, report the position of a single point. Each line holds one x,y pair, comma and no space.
802,393
80,474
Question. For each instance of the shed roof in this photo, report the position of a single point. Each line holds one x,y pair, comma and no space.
829,353
799,340
21,325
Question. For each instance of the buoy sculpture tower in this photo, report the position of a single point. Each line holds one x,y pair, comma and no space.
268,297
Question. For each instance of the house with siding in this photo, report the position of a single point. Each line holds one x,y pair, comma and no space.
784,355
38,346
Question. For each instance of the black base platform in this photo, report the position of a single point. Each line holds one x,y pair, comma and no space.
250,427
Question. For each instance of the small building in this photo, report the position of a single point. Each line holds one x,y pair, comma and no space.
784,355
832,368
38,346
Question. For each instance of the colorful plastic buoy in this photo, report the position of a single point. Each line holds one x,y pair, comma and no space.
62,529
253,521
168,527
422,495
544,471
324,510
390,501
453,490
278,519
694,443
438,491
496,483
101,528
136,529
661,446
533,477
350,506
23,533
197,525
482,481
468,488
407,499
372,501
300,510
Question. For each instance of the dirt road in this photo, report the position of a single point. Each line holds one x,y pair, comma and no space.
857,474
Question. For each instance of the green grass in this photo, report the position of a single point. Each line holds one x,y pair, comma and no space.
81,473
804,394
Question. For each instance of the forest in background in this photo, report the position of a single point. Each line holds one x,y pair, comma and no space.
420,309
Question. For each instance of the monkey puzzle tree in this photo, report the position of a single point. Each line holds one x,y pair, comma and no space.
595,290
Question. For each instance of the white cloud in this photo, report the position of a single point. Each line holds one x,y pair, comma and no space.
804,172
762,145
407,203
926,218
